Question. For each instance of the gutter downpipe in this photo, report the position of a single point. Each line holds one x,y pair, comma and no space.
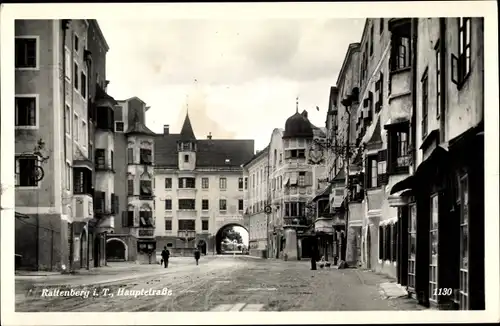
442,81
414,51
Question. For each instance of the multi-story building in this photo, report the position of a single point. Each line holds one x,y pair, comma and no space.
53,149
292,184
133,168
198,189
442,247
255,174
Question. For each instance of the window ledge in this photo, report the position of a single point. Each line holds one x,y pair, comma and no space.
27,68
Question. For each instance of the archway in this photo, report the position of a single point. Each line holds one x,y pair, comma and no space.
202,246
228,247
116,250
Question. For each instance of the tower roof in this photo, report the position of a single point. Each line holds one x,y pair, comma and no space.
187,130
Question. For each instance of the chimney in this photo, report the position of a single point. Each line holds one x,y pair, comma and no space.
166,129
209,135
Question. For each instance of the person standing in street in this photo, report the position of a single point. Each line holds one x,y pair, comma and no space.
314,254
197,255
165,255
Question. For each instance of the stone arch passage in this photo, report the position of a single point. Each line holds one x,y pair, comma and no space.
218,235
116,250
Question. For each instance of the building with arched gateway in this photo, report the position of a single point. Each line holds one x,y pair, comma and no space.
198,189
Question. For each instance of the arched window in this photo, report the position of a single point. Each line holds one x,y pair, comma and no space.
146,216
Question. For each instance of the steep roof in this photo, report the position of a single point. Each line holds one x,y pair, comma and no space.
257,155
187,132
210,152
138,127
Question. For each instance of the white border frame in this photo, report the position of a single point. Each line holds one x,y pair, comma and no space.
37,38
37,111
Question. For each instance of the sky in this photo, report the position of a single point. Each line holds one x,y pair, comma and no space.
237,78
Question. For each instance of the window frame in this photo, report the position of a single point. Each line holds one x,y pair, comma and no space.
372,36
186,200
36,97
130,184
76,133
37,52
459,63
222,200
84,130
203,222
222,183
424,110
166,224
145,152
439,76
205,183
17,172
372,158
76,43
68,122
242,202
203,201
240,184
167,181
168,200
83,85
68,68
76,76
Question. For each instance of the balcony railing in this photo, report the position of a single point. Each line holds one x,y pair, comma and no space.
146,232
186,233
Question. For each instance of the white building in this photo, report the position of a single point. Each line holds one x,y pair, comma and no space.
198,189
256,199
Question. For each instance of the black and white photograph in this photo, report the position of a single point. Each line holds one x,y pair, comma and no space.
321,158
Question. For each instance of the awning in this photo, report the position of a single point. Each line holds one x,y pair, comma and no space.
403,185
399,198
324,193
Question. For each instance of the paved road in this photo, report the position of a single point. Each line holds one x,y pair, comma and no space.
224,283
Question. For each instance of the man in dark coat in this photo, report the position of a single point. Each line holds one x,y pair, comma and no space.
314,255
165,255
197,255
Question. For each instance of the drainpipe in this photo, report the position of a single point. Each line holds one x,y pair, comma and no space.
442,81
89,74
414,51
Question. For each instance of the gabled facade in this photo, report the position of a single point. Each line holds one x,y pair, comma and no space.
198,189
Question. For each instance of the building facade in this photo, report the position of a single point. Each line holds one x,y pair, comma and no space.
54,169
255,177
133,195
199,189
293,183
447,183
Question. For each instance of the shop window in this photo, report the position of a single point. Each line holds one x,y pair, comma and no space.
412,246
464,243
433,245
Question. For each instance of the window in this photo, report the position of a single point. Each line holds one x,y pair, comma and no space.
168,225
204,183
222,183
461,65
412,245
119,126
187,225
381,26
187,203
438,80
186,158
67,120
204,225
128,217
130,155
26,52
463,292
26,171
204,204
146,189
82,181
111,160
240,183
246,183
67,64
146,217
425,103
400,47
146,156
75,75
382,168
399,154
76,43
100,158
372,172
240,204
295,153
84,134
371,39
168,183
168,204
302,179
130,187
26,111
381,235
222,204
187,183
379,93
76,128
295,209
433,245
83,90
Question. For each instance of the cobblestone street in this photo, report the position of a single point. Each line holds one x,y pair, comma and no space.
221,283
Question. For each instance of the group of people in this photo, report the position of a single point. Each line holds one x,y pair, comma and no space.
165,255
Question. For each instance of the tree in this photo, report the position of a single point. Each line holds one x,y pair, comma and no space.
232,234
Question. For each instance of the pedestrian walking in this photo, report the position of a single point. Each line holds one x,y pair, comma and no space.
165,255
314,254
197,255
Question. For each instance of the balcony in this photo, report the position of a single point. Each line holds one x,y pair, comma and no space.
189,234
186,213
83,207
